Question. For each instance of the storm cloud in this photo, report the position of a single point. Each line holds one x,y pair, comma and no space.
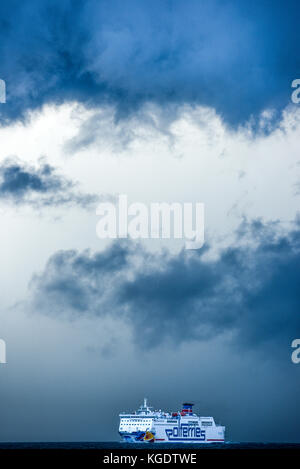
237,57
250,291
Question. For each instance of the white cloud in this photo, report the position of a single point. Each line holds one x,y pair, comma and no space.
195,158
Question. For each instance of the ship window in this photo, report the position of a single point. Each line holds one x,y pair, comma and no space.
206,424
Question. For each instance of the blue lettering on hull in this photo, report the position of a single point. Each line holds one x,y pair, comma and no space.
185,432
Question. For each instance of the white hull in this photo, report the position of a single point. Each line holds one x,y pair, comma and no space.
185,426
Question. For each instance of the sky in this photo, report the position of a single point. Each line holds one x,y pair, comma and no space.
164,101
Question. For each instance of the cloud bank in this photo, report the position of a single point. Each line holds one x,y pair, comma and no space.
250,291
237,57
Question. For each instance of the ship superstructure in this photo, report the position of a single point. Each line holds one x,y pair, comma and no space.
184,426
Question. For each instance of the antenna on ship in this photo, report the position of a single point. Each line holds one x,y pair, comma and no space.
145,401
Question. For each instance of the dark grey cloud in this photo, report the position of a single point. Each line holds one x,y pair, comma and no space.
251,291
236,57
39,186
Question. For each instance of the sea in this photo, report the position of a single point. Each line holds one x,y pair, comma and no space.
112,445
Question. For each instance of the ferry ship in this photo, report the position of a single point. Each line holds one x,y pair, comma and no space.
184,426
